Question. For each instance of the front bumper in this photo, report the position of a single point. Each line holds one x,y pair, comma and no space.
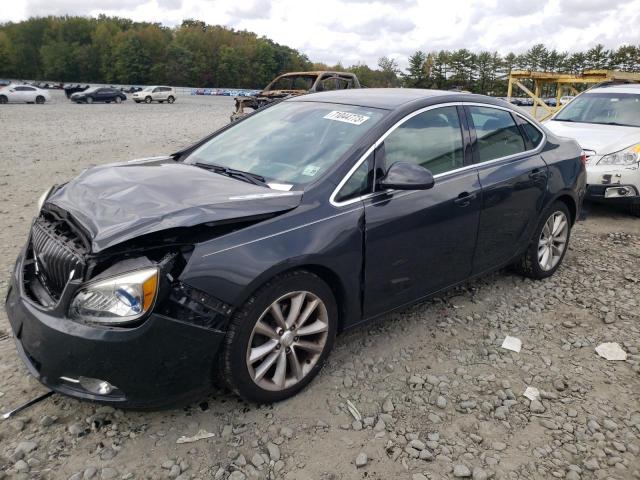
605,181
162,362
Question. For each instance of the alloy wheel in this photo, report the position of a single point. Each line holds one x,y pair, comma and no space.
287,340
553,240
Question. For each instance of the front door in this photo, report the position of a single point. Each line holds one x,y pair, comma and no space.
420,241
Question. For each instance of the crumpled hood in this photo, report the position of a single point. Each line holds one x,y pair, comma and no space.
603,139
118,202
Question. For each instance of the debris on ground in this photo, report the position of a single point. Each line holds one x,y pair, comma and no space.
201,435
512,343
611,351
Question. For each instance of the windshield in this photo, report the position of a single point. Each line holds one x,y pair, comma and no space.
294,82
603,108
148,89
292,142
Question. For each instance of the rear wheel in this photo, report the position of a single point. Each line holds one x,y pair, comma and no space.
3,99
147,100
279,339
118,100
40,100
549,244
89,100
171,99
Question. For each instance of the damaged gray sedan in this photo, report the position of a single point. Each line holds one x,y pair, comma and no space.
240,258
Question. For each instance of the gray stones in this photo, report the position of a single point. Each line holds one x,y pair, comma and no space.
536,407
441,402
499,446
108,473
479,474
461,471
387,406
361,460
274,451
77,428
237,475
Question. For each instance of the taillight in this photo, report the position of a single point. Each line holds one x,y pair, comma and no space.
583,158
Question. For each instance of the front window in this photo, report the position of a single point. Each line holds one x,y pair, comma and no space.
432,139
292,142
603,108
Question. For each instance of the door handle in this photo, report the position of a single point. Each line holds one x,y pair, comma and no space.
464,199
536,173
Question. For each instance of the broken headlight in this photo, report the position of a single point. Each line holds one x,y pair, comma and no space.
628,156
117,300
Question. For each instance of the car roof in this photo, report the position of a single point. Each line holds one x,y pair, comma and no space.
616,88
386,98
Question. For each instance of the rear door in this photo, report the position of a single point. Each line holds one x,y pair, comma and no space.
419,241
513,176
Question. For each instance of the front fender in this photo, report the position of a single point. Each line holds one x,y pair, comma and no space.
231,268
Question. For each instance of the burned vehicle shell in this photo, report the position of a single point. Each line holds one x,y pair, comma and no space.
241,257
292,85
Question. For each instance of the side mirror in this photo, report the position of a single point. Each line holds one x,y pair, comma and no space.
407,176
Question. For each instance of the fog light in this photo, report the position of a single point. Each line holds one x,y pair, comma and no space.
97,386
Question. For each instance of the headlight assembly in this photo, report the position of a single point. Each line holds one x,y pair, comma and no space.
116,300
628,156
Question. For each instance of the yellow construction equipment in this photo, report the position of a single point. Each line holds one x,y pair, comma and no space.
563,81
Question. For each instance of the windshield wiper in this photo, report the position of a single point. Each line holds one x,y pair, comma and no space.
233,173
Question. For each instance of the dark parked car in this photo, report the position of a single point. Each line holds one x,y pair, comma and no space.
242,256
98,94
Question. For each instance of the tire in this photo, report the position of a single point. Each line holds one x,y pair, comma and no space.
633,209
534,263
147,99
40,100
89,99
3,99
118,100
171,99
137,101
261,380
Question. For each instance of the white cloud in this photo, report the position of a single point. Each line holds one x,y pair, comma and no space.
350,31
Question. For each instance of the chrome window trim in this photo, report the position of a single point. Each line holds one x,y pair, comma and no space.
332,198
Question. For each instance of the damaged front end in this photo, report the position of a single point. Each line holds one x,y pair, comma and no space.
118,326
101,289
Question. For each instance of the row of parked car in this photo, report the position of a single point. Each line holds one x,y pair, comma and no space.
528,101
30,93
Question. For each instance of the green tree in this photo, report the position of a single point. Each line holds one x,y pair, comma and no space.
416,76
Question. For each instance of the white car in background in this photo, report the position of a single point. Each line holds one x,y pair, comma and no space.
155,94
23,94
566,99
605,120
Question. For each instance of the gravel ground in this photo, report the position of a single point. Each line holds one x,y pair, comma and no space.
434,394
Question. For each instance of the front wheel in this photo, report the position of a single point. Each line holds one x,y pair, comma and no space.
3,99
171,99
147,100
118,100
40,100
279,339
549,244
89,100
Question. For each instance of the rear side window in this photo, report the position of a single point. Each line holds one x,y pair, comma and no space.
497,132
432,139
535,135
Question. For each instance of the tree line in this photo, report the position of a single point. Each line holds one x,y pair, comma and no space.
118,50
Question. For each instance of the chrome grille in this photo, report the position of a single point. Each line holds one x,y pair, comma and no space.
55,256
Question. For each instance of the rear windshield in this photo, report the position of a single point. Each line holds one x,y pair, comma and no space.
603,108
292,142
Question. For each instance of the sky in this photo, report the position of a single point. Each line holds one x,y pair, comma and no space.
352,31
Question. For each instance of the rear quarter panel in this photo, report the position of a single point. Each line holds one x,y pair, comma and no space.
567,174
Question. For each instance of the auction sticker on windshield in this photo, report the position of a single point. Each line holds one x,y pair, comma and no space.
352,118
